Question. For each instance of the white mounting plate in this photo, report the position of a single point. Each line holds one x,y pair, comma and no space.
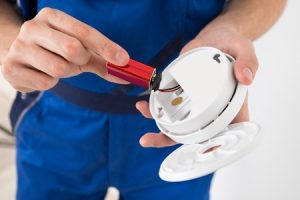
190,161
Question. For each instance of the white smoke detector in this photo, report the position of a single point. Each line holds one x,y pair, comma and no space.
199,99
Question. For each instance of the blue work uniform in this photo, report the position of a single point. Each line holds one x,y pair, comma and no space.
82,136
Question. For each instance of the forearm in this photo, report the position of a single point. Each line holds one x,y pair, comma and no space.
251,18
10,23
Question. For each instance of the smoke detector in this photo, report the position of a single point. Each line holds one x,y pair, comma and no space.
197,100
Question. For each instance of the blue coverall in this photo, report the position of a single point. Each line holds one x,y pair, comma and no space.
76,140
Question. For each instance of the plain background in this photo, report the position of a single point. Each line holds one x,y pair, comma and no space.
271,171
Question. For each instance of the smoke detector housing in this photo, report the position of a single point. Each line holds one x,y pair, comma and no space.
204,100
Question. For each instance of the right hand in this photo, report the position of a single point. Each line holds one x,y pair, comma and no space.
54,45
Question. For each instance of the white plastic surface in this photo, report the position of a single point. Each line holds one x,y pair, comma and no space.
190,161
211,96
199,112
202,77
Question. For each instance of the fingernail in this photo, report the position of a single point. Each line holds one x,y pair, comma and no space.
248,73
121,57
142,142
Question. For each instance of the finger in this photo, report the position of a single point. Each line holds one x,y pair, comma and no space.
156,140
246,64
143,107
88,36
39,58
26,79
57,42
97,65
8,73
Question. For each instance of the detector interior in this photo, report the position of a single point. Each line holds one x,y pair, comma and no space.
200,99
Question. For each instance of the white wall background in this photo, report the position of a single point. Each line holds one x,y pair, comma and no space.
7,94
271,171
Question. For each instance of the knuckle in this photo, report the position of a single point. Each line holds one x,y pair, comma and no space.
51,15
46,83
81,31
58,69
7,69
46,12
72,49
28,26
17,46
107,46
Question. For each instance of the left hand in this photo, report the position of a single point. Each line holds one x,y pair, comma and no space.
229,41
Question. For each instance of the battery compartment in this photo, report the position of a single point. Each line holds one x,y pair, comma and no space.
172,106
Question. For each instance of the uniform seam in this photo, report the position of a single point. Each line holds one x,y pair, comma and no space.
26,110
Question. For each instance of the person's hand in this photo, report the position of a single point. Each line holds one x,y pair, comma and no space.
54,45
229,41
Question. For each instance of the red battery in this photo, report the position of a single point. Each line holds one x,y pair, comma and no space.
136,73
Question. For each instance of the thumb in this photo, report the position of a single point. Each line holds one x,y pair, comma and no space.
245,67
244,72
